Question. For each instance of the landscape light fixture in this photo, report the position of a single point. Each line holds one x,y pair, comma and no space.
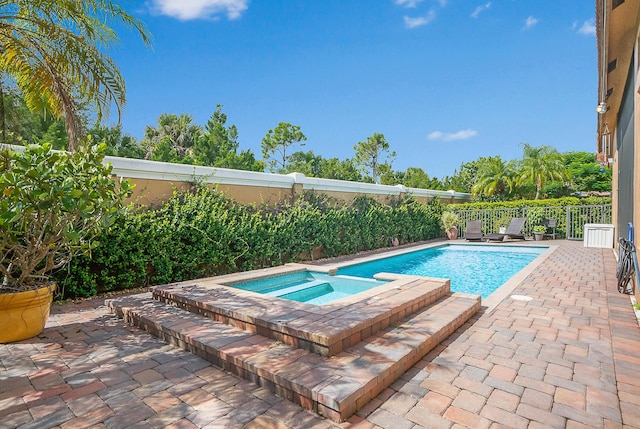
602,108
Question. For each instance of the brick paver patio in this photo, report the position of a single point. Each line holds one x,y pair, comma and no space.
569,357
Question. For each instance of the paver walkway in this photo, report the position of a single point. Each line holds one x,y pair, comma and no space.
569,357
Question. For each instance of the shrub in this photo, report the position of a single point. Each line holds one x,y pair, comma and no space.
53,206
449,220
203,233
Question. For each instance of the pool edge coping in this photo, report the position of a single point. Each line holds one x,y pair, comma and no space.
496,297
491,301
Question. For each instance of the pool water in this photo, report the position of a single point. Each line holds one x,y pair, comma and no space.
310,287
473,269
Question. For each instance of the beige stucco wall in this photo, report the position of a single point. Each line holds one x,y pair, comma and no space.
156,182
149,192
152,192
347,197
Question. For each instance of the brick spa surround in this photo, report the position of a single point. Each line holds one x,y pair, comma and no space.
362,343
326,329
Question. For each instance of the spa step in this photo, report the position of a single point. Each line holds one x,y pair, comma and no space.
297,288
336,386
326,330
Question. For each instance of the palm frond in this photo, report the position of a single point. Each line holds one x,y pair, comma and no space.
54,50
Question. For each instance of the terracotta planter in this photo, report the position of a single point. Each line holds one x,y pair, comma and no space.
452,233
23,314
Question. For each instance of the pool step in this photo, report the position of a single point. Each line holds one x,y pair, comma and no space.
336,386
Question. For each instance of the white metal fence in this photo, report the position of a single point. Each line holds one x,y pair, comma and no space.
578,216
570,220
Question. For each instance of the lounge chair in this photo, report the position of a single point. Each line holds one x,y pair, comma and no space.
474,230
514,231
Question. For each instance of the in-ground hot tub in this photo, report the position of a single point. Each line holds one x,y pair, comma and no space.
309,286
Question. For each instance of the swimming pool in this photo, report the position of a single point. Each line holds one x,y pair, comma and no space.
475,269
478,269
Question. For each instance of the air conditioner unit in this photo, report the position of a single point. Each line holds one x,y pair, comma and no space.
598,235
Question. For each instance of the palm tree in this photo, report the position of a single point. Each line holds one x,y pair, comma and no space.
179,132
53,51
541,164
494,176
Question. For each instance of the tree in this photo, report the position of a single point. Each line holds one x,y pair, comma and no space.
56,135
218,146
585,172
18,123
494,178
279,141
462,180
117,143
20,126
53,51
306,163
371,155
334,168
415,177
387,176
172,140
541,164
312,165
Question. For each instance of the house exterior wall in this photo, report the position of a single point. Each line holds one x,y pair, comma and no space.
625,141
618,32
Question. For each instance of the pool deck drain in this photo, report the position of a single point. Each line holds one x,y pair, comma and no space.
331,359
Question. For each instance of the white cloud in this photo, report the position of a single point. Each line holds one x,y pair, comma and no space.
480,9
419,21
408,3
413,3
186,10
458,135
588,28
529,23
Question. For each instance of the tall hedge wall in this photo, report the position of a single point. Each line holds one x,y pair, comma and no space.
203,233
555,202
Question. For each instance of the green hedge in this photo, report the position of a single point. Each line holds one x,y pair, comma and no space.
203,233
551,202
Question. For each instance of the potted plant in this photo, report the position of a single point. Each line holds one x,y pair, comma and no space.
538,232
52,206
503,222
450,221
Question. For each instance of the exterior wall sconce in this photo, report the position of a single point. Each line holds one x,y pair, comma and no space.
602,108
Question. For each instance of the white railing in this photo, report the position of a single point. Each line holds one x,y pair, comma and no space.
570,220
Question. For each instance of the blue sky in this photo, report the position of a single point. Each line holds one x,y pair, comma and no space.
446,81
